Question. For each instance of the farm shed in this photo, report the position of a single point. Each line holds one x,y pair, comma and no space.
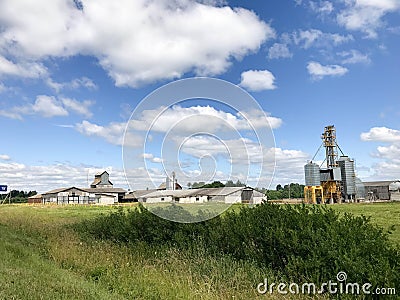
382,190
226,195
38,198
74,195
237,195
101,180
134,196
161,196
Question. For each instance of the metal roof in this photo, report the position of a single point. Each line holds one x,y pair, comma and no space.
105,190
100,173
88,190
224,191
37,196
379,183
59,190
163,186
138,194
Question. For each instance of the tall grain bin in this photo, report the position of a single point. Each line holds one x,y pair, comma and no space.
348,176
312,175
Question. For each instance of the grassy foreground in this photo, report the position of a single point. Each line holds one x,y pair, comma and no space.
42,258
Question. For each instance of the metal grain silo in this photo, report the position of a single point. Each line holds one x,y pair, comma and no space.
348,175
360,189
312,176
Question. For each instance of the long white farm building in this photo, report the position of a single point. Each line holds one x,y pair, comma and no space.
102,191
227,195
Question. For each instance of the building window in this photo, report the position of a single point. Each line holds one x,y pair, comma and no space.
162,199
197,198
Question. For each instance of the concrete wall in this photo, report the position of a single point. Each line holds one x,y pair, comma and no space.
108,199
193,199
164,199
395,196
234,197
380,192
257,200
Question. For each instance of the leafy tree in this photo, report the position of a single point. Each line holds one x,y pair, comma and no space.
238,183
229,183
215,184
18,196
197,185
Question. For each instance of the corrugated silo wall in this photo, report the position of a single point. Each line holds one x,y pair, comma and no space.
348,176
312,175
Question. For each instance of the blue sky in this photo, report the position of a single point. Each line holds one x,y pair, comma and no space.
72,72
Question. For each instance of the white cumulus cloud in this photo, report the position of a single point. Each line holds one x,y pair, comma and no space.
48,107
180,121
82,108
279,50
318,71
317,38
136,42
381,134
366,15
5,157
152,158
22,69
73,84
322,7
258,80
354,57
389,155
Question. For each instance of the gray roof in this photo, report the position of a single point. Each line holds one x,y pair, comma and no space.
59,190
101,173
88,190
105,190
37,196
138,194
163,186
224,191
379,183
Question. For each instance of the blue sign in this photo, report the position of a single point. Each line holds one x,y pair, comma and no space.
3,188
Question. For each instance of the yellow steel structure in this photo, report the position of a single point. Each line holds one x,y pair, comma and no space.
332,191
329,140
314,194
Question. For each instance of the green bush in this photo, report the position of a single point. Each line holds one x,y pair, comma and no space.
301,243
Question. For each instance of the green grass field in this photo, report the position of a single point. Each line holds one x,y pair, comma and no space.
42,258
385,215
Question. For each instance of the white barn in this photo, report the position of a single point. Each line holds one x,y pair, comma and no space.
74,195
228,195
101,191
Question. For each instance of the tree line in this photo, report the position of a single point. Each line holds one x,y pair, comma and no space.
18,196
292,190
215,184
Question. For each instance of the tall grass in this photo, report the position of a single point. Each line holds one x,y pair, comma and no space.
306,243
42,258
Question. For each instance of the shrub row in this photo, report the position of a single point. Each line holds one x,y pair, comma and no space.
301,243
